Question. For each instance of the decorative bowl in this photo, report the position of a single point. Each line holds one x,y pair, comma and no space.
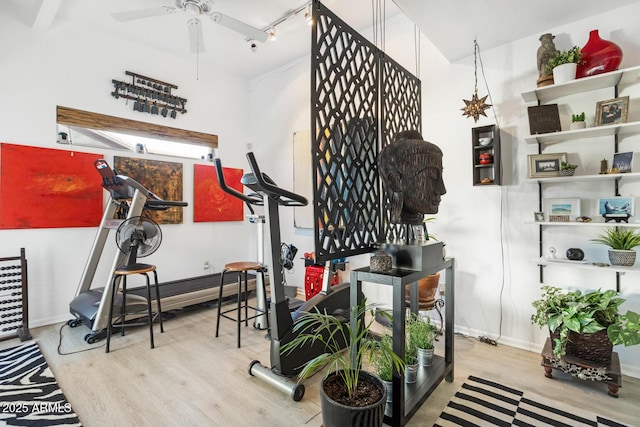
485,141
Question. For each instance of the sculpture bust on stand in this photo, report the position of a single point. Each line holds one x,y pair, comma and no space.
411,173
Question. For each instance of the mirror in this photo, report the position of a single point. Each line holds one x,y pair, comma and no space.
78,127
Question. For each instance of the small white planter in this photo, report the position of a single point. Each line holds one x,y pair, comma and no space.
623,258
578,125
564,73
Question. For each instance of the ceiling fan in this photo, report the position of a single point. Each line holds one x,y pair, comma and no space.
197,9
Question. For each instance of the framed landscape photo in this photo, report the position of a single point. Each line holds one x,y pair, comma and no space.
615,207
612,111
622,161
562,208
545,165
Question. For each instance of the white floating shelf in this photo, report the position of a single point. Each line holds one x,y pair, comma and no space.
578,178
589,265
592,132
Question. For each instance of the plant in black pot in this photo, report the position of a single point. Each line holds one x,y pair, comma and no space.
349,395
585,325
621,242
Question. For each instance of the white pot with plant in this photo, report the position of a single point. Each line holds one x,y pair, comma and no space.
564,64
567,169
577,121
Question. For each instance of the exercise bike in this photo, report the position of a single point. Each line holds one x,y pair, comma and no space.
332,299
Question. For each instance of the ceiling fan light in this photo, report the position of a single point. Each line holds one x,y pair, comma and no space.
192,8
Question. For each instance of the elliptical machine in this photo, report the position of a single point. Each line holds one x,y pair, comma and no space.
333,300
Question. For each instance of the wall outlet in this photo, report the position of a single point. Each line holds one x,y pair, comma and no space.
205,265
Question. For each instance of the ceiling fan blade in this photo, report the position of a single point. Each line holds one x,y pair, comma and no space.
239,27
131,15
196,41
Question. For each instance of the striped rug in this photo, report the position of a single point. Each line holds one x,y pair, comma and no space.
29,393
481,402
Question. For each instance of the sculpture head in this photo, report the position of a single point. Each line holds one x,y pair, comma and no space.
411,173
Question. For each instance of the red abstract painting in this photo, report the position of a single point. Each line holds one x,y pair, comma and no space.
48,188
210,203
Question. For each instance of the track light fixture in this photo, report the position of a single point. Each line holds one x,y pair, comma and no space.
272,34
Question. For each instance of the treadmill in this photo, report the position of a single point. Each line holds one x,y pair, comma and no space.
90,307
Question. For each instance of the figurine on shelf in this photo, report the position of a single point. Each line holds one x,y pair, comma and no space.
546,51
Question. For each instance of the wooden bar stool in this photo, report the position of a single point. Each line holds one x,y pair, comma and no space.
123,272
241,268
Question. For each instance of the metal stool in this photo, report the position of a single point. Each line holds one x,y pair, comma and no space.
241,268
123,272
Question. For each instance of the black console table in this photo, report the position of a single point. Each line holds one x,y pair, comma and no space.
407,398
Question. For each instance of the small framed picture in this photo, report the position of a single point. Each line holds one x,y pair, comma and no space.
615,206
538,216
622,162
612,111
545,165
563,208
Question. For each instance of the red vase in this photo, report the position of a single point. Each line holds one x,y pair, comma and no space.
598,56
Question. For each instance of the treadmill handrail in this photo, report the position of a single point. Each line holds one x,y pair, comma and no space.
152,198
285,197
249,199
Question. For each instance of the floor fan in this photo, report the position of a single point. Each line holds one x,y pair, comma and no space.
138,236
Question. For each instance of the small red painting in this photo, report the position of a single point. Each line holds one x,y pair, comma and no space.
210,203
48,188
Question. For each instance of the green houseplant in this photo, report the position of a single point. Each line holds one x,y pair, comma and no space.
621,242
346,390
577,121
595,312
422,335
567,169
564,64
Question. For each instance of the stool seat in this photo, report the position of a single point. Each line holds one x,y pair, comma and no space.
121,273
135,269
241,267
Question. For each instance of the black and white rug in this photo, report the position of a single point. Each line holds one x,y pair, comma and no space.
481,402
29,393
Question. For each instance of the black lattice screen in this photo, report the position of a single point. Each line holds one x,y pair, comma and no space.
14,298
352,107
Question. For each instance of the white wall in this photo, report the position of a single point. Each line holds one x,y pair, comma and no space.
73,66
484,227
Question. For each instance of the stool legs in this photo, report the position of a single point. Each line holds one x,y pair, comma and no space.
219,303
123,306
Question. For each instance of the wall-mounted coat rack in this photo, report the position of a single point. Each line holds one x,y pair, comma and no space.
150,95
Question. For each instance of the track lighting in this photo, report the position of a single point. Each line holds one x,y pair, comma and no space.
272,34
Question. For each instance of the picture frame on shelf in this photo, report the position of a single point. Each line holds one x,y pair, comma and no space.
544,119
538,216
545,165
620,206
558,209
622,162
612,111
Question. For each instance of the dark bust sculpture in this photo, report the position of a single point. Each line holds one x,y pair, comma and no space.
411,173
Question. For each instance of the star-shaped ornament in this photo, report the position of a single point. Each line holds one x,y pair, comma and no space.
475,107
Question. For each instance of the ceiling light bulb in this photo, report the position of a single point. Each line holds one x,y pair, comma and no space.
192,8
308,15
272,34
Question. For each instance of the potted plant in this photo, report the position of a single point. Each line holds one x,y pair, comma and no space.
410,359
585,325
621,242
567,169
564,65
422,335
577,121
349,396
383,366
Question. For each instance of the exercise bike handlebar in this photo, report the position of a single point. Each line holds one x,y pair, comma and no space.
286,198
252,199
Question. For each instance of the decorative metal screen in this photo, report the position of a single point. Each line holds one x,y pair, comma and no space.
351,108
400,110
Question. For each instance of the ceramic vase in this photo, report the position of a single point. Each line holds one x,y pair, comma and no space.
564,73
598,56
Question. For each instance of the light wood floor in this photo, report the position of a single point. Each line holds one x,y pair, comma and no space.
192,378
